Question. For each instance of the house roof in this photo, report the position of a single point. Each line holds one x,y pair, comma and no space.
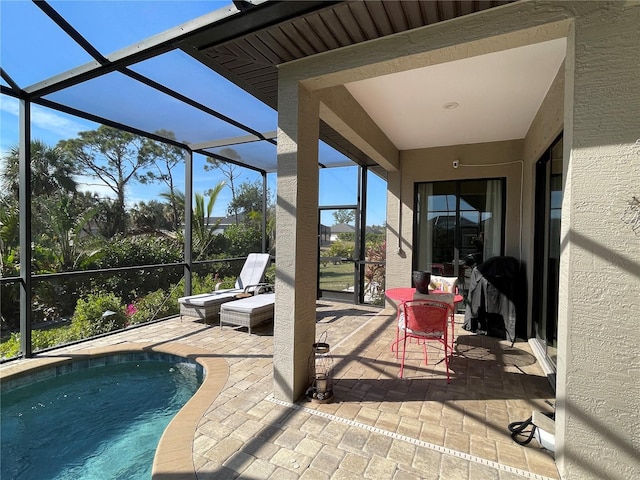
342,228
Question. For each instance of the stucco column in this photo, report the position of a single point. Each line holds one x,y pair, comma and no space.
399,231
297,238
598,383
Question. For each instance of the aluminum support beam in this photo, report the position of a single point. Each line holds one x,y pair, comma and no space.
264,212
188,216
24,208
361,226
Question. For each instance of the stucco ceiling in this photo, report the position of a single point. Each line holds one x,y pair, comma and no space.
498,95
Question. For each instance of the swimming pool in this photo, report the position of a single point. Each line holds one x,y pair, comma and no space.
94,420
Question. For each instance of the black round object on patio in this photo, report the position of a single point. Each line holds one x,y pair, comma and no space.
421,280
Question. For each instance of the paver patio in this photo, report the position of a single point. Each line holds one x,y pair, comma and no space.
379,426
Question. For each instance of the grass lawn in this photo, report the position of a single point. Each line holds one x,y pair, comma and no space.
336,277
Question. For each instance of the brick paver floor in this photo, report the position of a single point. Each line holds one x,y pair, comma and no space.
378,426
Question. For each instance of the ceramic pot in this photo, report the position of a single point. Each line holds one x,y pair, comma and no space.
421,281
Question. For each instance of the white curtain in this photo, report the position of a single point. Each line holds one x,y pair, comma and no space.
493,220
425,229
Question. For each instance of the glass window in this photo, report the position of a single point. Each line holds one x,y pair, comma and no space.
458,225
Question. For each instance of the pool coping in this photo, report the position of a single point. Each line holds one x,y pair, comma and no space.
174,454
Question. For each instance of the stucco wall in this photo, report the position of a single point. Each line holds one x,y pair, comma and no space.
599,299
485,160
598,395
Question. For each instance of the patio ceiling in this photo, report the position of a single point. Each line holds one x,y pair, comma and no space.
251,61
155,86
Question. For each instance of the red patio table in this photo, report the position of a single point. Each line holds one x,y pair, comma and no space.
404,294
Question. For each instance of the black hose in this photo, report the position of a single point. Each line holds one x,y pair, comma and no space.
518,428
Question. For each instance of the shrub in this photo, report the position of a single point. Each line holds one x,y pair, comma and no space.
40,340
130,251
10,306
155,305
89,319
340,249
270,275
204,284
136,250
347,237
226,282
374,273
241,239
11,347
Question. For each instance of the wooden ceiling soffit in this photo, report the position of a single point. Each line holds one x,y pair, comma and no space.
247,50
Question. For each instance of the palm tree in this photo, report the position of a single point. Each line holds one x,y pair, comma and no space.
203,228
175,200
66,224
51,171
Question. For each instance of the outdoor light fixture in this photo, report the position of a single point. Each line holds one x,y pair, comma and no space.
320,372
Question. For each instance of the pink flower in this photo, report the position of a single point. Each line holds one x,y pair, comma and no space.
131,309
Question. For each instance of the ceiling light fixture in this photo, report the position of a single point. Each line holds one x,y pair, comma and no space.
450,105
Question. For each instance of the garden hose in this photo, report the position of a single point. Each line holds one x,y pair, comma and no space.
518,428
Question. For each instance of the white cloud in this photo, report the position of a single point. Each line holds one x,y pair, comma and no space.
46,119
87,183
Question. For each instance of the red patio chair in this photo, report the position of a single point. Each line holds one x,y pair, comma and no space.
424,320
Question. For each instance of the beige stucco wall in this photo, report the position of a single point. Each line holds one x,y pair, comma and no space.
485,160
598,396
598,378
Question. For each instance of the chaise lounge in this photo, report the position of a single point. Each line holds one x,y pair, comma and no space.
248,312
206,306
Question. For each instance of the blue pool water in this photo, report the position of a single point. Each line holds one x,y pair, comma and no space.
99,423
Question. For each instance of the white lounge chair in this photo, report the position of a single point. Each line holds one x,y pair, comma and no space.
207,305
248,312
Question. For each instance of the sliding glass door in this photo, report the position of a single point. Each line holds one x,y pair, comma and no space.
547,249
458,224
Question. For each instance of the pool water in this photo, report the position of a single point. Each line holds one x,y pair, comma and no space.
94,423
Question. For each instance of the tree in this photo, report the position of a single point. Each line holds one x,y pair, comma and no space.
152,215
228,170
51,170
54,201
242,239
66,223
115,158
175,200
9,237
344,216
248,199
165,158
202,226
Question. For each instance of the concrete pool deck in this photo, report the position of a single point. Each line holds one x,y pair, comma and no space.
378,427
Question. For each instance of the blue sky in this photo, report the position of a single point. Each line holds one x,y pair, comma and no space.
27,34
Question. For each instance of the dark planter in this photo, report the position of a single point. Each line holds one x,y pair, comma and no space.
421,281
